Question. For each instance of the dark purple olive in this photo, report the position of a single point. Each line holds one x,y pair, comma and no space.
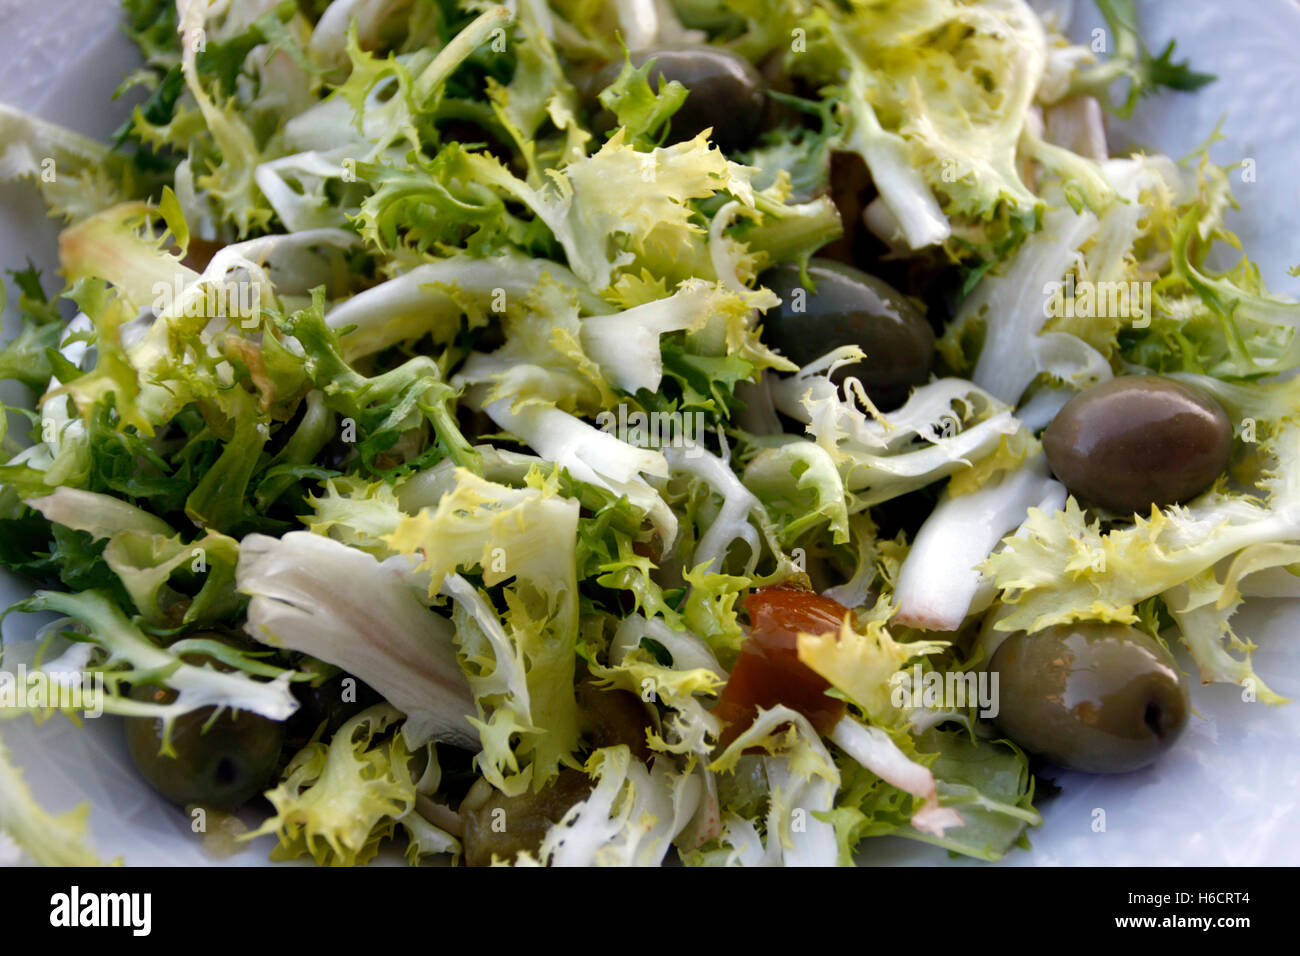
1138,441
725,92
1101,698
851,188
611,716
333,701
846,306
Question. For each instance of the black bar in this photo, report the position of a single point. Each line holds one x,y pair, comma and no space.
384,907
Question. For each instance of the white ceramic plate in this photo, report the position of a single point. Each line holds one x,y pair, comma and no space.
1226,795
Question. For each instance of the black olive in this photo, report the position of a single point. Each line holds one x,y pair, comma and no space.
851,188
332,702
846,306
1138,441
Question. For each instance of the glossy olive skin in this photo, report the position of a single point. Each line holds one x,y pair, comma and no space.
222,767
1138,441
1101,698
331,702
851,188
850,307
725,92
611,717
503,826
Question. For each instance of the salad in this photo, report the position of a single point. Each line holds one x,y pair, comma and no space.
584,433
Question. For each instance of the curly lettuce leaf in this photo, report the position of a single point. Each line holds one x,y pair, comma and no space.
860,661
196,687
338,802
440,298
316,595
1145,73
528,536
77,176
801,489
587,207
631,817
26,357
642,112
47,839
943,428
801,778
1060,568
987,783
934,97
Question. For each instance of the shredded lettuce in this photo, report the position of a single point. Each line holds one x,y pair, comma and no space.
311,594
630,818
127,648
528,535
401,342
337,802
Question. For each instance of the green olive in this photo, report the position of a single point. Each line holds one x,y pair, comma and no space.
1138,441
220,767
725,92
846,306
1102,698
504,826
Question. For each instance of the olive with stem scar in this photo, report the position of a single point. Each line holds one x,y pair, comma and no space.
1101,698
219,763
